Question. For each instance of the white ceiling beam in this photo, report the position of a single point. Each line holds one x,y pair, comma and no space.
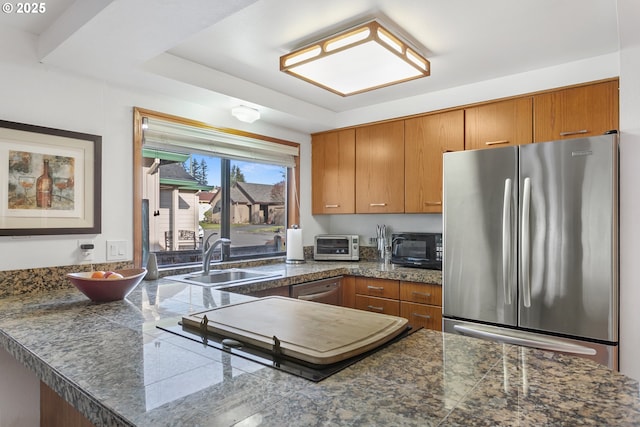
75,17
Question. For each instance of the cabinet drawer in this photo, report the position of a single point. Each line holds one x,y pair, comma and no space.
378,305
382,288
422,293
427,316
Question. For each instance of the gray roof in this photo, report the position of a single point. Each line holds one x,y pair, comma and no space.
260,193
238,196
174,171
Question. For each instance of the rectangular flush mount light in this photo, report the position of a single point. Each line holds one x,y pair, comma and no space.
357,60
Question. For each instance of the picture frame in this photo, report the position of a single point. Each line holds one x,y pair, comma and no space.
50,181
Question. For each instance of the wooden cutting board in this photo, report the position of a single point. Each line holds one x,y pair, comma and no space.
312,332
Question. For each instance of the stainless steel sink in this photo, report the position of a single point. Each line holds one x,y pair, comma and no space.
219,278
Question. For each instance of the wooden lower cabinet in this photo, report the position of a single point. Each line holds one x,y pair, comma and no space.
422,315
56,412
420,303
378,305
349,291
381,288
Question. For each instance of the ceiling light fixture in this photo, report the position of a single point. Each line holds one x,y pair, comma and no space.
356,60
245,114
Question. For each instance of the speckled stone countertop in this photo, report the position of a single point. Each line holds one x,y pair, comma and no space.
291,274
112,363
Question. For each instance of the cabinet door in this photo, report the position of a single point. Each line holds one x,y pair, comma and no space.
427,316
349,291
499,124
380,168
333,172
425,140
576,112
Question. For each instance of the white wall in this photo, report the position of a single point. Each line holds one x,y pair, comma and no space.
36,94
628,13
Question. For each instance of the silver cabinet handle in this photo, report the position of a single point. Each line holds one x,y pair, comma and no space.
547,344
423,316
574,132
502,141
421,294
331,206
506,241
375,288
526,244
377,204
319,295
373,307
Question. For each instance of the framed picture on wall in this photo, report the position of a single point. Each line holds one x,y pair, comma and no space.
52,181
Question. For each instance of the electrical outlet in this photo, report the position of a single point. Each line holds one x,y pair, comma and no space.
85,250
116,250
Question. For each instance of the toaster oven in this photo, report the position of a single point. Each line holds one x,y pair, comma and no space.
336,247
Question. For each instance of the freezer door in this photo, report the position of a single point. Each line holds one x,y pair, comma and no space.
568,260
480,223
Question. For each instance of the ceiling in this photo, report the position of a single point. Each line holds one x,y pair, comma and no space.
225,53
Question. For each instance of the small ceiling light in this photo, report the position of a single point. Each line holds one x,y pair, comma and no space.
145,123
357,60
245,114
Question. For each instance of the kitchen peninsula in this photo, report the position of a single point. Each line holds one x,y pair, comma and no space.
113,363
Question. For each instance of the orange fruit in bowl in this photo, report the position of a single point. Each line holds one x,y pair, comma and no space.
97,275
114,276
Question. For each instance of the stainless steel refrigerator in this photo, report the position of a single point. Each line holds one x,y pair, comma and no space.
531,245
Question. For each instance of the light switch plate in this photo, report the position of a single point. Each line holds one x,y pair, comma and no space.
116,250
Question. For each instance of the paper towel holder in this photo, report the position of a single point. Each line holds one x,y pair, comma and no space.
291,257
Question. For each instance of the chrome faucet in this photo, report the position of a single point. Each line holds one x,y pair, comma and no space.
207,253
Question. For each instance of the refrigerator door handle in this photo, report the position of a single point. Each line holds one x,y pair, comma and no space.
525,249
548,344
506,241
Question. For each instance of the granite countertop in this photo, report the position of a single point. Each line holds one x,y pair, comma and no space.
115,365
291,274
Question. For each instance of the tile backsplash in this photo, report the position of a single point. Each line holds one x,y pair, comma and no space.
17,282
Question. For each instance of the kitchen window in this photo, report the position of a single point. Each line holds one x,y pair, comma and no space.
195,184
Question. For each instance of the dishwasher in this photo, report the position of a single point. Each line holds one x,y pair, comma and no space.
326,291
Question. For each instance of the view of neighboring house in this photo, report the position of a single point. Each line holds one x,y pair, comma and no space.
253,204
174,206
204,202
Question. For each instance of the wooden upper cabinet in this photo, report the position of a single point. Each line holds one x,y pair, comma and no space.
333,172
499,124
426,139
380,168
576,112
